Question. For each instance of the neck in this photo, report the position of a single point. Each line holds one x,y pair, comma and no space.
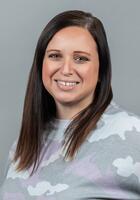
68,111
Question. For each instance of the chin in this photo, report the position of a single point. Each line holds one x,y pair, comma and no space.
66,102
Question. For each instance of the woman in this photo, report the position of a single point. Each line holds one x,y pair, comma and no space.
74,143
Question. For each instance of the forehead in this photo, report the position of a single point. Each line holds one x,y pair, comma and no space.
74,37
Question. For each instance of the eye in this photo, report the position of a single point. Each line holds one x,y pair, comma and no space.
54,56
81,59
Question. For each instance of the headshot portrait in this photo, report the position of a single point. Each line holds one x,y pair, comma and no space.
77,136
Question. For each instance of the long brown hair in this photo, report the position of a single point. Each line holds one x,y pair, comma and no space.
39,106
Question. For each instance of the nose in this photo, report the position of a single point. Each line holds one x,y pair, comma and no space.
66,68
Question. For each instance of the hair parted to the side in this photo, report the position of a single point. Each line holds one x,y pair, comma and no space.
39,105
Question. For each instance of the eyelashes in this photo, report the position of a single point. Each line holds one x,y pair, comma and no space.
54,56
81,58
77,58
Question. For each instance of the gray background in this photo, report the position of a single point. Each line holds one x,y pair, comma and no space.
21,23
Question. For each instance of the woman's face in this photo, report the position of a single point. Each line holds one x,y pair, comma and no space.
71,66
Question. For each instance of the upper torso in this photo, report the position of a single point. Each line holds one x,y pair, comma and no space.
107,166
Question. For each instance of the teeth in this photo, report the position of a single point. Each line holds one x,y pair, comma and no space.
67,83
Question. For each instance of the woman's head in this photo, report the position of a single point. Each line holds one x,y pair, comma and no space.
70,69
90,24
39,104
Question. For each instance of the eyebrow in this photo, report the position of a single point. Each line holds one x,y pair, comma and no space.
74,51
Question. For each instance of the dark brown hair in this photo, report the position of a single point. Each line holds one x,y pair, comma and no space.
39,105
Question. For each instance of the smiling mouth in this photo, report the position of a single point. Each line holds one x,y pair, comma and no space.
67,83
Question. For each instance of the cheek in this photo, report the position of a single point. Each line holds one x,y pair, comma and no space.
90,74
46,71
49,69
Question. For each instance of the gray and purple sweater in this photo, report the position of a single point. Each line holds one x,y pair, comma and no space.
107,166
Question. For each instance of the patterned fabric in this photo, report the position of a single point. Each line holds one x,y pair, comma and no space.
107,166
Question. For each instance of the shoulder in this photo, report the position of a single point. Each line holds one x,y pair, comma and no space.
12,150
116,121
120,119
9,159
